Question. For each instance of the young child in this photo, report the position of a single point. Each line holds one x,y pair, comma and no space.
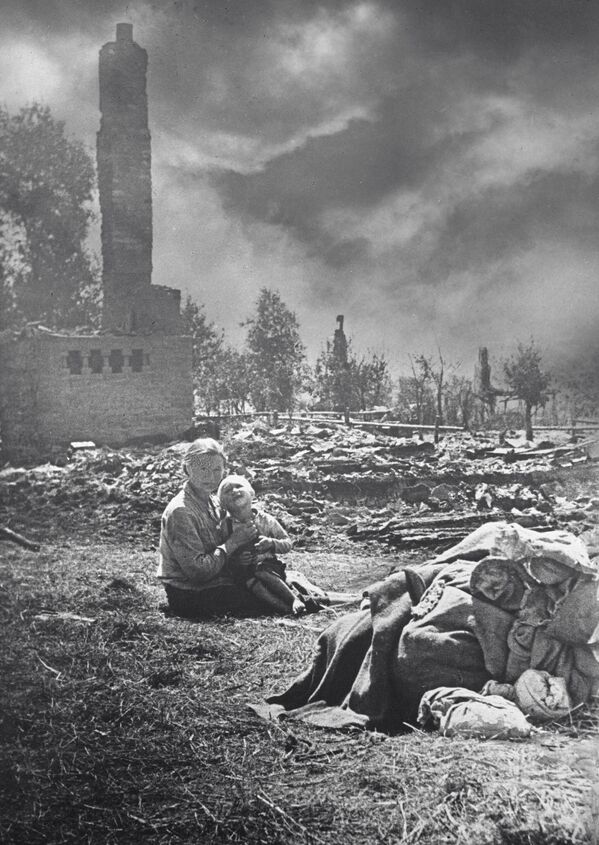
256,565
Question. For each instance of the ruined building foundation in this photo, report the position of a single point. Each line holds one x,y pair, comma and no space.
132,380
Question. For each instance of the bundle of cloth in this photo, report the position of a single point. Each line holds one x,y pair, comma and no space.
504,601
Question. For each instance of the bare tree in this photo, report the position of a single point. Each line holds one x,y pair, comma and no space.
419,385
435,372
459,401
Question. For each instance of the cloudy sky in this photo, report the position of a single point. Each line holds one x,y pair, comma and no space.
428,168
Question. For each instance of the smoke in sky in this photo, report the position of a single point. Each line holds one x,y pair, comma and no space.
429,170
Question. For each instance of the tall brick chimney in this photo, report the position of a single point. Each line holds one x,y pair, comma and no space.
125,185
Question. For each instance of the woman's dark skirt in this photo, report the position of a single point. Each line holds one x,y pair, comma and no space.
226,600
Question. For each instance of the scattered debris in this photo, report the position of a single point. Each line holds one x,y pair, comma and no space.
327,484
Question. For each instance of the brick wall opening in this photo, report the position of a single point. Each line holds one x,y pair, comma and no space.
75,362
136,360
95,360
116,359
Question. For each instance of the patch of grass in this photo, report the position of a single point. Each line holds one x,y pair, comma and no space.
119,724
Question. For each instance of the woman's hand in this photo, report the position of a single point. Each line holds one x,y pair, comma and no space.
264,544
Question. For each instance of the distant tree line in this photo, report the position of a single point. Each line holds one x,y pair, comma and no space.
271,373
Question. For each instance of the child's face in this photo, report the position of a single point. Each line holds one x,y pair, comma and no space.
236,497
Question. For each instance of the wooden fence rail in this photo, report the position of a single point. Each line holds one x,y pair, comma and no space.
339,418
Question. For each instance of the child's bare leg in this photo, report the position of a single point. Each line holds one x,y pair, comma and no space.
298,607
276,585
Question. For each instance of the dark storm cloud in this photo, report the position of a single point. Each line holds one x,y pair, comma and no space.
393,150
502,29
506,220
417,145
293,189
59,16
355,168
224,69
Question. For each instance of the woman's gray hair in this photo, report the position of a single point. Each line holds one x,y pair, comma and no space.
203,446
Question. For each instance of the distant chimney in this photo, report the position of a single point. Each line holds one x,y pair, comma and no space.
124,32
340,342
125,184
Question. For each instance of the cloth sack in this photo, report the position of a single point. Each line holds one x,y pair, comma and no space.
462,712
541,696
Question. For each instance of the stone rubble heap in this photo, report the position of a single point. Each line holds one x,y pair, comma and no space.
327,485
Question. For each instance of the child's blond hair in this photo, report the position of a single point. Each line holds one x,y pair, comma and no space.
228,481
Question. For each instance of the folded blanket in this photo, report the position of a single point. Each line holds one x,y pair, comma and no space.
350,671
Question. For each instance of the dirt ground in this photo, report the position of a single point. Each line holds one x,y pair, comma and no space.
120,724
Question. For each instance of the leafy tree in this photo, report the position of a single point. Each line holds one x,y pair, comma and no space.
46,184
231,382
275,354
342,381
205,338
209,358
357,384
371,381
220,372
7,299
527,381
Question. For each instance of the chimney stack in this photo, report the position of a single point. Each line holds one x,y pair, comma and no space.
125,184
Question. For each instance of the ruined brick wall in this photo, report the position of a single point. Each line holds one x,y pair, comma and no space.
105,388
19,389
164,309
131,303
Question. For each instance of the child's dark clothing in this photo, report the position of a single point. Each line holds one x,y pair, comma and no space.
263,573
269,527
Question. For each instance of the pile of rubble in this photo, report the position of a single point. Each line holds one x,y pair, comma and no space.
316,455
116,493
327,485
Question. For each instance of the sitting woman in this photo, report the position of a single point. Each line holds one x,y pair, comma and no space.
194,549
257,565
